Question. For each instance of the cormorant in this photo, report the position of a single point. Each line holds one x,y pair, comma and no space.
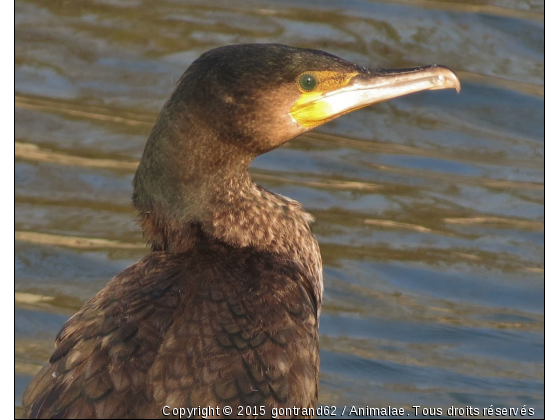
224,310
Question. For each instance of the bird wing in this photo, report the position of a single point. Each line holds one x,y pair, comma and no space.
209,328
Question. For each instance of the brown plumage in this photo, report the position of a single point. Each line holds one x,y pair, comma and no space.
217,326
224,309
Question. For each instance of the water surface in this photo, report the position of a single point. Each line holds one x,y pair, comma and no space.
429,208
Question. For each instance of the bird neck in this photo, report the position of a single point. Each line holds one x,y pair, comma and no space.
193,186
241,214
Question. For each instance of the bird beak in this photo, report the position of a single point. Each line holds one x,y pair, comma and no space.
370,87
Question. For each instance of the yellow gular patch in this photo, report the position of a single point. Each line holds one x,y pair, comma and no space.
309,110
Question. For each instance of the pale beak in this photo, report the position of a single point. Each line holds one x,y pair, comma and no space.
373,86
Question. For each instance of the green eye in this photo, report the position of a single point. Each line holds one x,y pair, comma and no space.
307,82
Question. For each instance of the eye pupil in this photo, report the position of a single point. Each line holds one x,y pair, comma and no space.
307,82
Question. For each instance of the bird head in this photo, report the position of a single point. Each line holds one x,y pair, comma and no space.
236,102
261,95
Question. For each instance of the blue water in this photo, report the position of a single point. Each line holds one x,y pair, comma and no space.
429,208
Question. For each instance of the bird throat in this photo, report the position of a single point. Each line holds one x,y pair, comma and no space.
241,214
193,189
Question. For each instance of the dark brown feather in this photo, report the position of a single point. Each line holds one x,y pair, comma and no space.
225,308
211,327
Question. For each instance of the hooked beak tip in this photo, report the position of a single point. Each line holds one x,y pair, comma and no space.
448,78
